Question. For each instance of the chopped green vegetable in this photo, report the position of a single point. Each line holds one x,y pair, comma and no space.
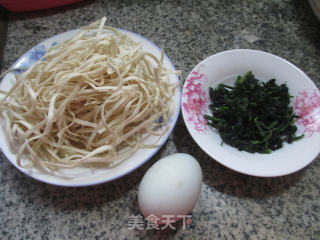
253,116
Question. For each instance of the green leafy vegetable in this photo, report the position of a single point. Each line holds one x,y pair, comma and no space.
253,116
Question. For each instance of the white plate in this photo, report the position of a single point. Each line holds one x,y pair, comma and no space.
225,67
82,176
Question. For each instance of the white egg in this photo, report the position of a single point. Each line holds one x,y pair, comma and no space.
170,188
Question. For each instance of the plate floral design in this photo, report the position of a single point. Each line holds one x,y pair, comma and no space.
307,107
195,101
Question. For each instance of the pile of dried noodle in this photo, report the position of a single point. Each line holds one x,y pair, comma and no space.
91,99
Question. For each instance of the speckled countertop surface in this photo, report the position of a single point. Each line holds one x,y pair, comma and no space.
231,205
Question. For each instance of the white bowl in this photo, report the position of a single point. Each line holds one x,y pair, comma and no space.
83,176
225,67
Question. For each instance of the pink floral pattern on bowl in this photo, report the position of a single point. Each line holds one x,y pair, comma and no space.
307,107
194,101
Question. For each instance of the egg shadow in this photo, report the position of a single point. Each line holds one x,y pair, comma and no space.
225,180
166,232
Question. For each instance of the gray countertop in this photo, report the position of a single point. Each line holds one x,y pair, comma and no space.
231,205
